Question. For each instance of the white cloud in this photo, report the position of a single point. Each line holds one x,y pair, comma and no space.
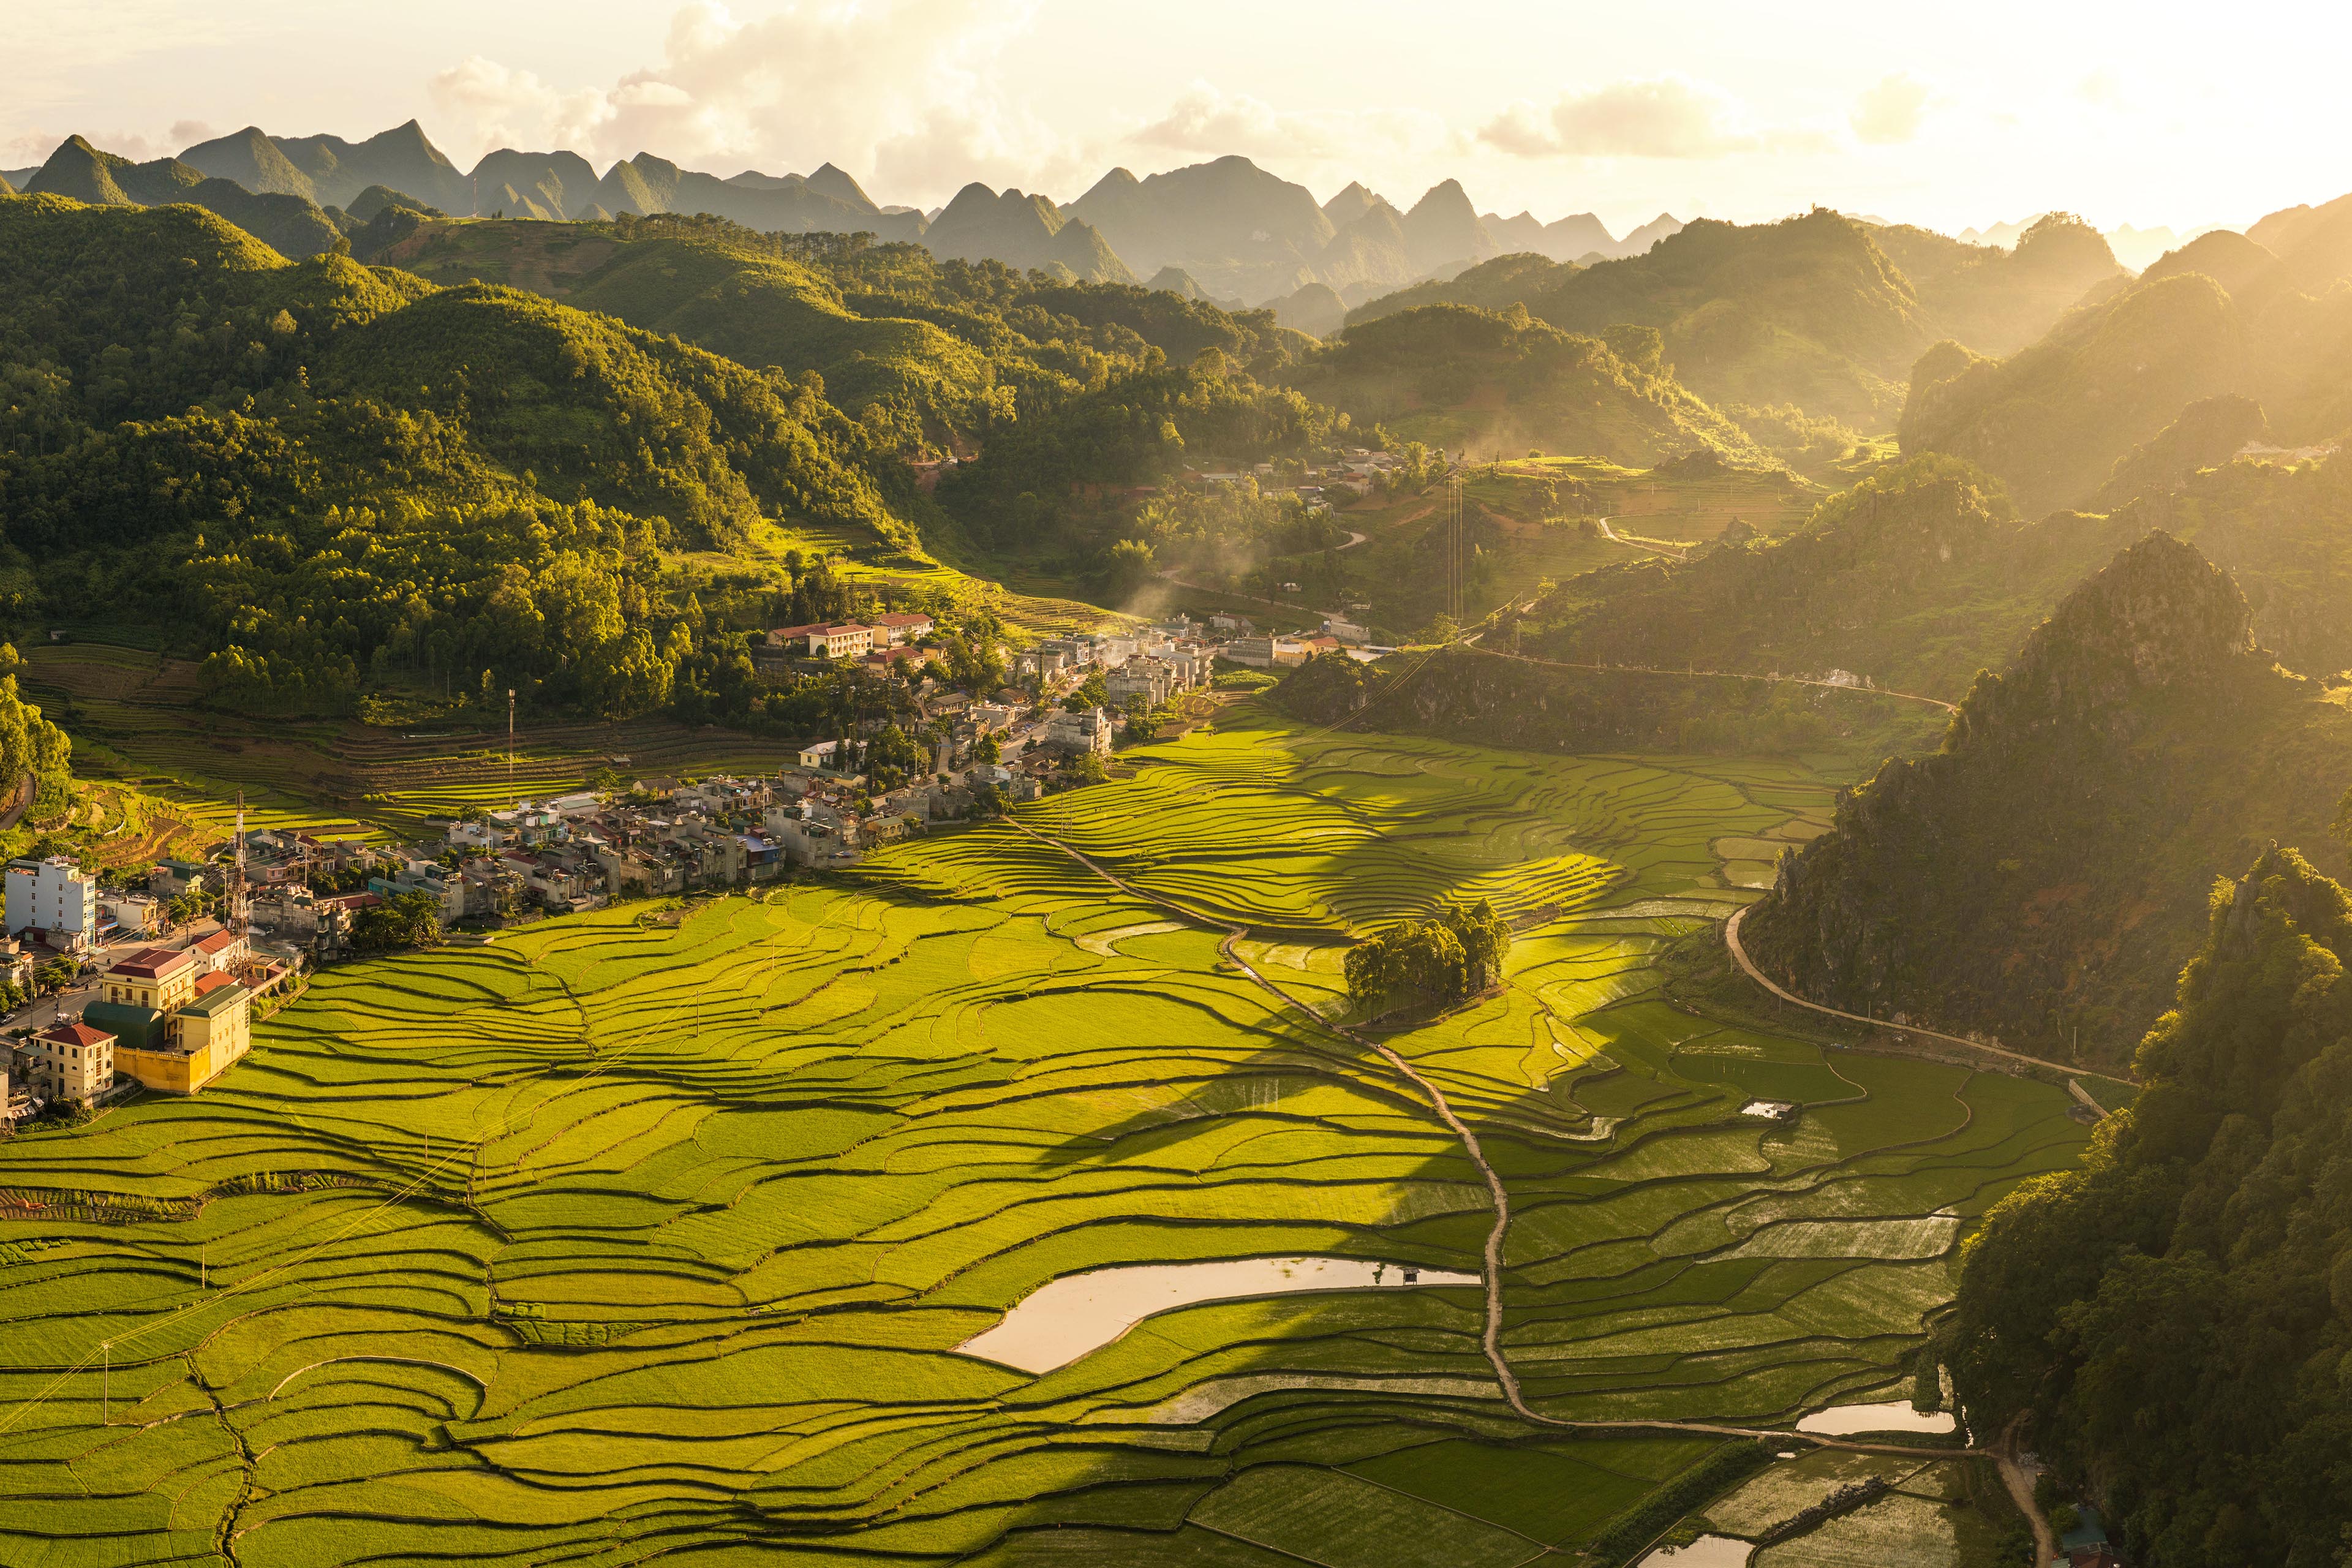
1891,111
2101,89
30,149
1205,119
1659,117
901,92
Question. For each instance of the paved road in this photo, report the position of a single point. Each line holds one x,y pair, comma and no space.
1739,956
1729,675
1492,1339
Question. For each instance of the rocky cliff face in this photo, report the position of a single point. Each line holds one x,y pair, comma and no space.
2043,876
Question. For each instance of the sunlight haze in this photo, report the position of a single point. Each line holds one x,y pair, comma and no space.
1912,113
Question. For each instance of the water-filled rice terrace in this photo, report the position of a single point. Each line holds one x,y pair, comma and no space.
623,1240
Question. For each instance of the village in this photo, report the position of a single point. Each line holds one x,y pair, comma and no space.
123,988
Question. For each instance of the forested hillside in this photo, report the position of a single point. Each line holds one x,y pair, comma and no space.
2040,879
2223,317
328,477
291,225
1916,578
1814,310
2172,1323
929,355
1467,379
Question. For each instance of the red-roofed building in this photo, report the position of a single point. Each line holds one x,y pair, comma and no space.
793,637
903,626
223,949
72,1062
157,977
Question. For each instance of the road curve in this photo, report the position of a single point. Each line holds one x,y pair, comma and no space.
1739,956
1613,537
1729,675
1491,1340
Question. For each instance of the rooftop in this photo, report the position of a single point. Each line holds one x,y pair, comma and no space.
153,963
66,1033
217,1001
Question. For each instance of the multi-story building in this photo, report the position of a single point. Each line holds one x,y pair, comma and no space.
902,626
159,978
53,896
73,1062
175,1023
1148,678
222,951
1075,733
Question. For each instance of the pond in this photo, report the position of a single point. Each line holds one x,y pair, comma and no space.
1060,1321
1707,1552
1896,1415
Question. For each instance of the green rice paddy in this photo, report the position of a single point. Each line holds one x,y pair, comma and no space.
624,1241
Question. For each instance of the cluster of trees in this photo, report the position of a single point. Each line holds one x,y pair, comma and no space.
404,920
1454,956
2172,1322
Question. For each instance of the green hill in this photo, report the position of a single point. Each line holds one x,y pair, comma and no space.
2041,877
930,353
330,478
1456,377
2168,1323
2053,419
2260,316
1995,301
1819,310
291,225
1916,579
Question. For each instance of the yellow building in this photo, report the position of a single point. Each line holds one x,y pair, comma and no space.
157,977
175,1028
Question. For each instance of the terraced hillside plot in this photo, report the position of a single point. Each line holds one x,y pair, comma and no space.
619,1241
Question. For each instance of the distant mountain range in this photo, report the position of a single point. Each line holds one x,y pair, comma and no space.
1225,230
2135,248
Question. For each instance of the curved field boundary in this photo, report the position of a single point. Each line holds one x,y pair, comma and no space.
1491,1338
1748,967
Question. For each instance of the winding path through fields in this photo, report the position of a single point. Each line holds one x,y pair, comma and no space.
1491,1340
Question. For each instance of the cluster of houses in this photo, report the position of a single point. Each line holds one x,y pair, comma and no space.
1357,470
169,1019
174,1017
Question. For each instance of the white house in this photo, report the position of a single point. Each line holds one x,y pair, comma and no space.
821,754
52,895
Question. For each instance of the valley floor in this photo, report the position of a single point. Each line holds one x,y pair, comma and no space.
658,1231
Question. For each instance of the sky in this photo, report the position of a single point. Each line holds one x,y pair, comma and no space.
1950,117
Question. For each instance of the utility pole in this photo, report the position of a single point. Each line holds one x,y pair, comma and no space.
106,1386
237,882
510,740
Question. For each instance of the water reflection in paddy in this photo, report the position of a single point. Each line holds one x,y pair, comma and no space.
1060,1321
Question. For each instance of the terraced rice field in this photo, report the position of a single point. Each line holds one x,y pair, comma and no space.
134,715
617,1243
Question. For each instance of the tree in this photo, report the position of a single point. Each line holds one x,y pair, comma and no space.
404,920
1450,959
